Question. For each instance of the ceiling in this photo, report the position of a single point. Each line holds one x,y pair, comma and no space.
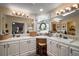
34,7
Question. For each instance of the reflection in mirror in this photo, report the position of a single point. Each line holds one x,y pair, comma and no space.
71,27
17,28
42,26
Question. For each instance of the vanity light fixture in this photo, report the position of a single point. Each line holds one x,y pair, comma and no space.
68,10
16,13
68,13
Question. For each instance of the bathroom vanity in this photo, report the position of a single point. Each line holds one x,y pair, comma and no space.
26,46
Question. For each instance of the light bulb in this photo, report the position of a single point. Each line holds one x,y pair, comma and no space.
62,10
68,8
75,5
57,13
41,9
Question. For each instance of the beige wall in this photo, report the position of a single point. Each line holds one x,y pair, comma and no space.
4,10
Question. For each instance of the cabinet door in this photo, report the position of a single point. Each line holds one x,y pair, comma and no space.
49,43
63,50
23,46
54,48
13,49
74,52
32,44
2,50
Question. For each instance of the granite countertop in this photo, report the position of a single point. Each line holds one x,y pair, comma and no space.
69,42
16,38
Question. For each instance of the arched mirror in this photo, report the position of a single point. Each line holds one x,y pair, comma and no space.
42,26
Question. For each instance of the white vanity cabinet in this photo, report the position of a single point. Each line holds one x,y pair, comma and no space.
27,46
49,46
63,50
55,48
23,46
10,48
52,47
31,46
13,48
2,49
74,51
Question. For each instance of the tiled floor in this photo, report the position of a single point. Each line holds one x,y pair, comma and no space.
36,55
